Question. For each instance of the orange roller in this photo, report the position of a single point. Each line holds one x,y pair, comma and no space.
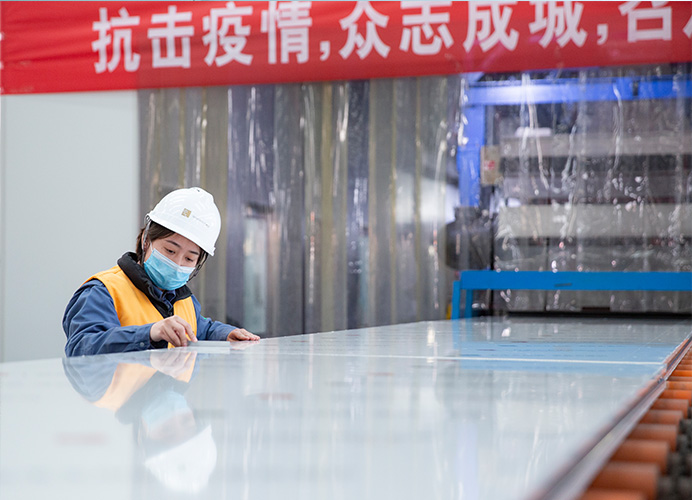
658,432
644,451
663,417
598,494
670,404
681,386
676,394
629,476
681,372
674,378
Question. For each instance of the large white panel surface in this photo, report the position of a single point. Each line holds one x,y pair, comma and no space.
479,409
69,197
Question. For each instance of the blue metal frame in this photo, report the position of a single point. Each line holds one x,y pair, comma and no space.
469,150
469,157
572,90
564,280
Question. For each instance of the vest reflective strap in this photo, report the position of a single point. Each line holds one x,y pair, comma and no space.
134,307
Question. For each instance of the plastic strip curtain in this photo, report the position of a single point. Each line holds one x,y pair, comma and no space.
338,196
595,185
334,197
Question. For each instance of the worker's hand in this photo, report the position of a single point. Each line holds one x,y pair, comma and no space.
174,329
241,334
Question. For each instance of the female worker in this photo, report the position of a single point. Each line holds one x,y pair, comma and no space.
143,302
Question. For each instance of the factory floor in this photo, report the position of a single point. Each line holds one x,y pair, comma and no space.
486,408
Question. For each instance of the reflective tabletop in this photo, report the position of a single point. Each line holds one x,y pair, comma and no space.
486,408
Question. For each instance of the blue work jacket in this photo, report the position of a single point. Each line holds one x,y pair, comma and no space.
92,326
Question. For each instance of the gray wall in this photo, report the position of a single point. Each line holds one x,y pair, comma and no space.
69,191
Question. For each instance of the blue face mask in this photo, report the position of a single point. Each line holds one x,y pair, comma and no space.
165,273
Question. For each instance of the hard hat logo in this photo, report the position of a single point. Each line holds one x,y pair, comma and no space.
201,221
190,212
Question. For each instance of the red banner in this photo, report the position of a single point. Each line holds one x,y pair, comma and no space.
84,46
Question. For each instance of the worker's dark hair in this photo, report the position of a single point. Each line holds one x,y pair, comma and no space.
152,232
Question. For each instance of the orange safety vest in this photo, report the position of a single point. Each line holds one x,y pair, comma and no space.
134,307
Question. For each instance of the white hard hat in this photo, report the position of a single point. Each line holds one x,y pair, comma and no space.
190,212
